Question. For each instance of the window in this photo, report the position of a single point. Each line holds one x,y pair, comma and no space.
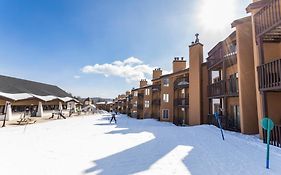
135,93
146,104
147,91
135,104
166,98
166,82
165,114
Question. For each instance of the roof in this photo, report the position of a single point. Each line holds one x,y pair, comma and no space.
241,21
256,5
13,85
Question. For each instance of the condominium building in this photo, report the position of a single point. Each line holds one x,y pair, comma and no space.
266,33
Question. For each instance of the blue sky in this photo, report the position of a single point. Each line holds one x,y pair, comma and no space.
82,45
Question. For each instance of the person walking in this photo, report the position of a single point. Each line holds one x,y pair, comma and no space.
113,116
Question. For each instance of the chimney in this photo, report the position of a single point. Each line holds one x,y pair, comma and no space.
128,93
195,81
143,83
157,73
179,64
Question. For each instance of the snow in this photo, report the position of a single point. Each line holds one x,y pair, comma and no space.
23,96
90,145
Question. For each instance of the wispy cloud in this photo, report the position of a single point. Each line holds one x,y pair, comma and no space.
76,77
132,69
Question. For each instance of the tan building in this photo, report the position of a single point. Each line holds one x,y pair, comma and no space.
172,92
266,34
232,80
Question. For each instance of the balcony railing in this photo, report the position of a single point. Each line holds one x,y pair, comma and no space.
224,88
217,89
181,102
275,136
268,17
156,102
140,107
140,95
181,83
270,75
156,88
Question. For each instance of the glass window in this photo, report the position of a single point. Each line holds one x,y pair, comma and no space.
135,93
166,82
146,104
165,114
147,91
166,98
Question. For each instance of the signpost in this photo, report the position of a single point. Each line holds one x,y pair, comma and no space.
268,125
219,122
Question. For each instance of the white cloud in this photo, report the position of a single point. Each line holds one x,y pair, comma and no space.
76,76
132,69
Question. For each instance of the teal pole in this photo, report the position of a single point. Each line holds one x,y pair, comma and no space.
268,140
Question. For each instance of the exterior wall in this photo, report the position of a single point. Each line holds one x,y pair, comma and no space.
231,70
156,96
195,61
271,50
134,108
204,91
274,106
167,90
246,71
147,111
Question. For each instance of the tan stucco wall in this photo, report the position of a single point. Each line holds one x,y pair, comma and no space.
195,61
231,70
246,71
272,51
167,90
204,90
274,106
147,111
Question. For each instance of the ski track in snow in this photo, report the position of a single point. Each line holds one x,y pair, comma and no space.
90,145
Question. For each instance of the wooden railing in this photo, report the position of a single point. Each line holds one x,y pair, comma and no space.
270,75
140,107
268,17
156,87
217,89
224,88
181,102
156,102
181,83
275,136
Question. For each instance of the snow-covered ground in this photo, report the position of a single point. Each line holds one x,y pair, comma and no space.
90,145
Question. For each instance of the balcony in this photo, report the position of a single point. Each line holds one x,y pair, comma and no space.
181,102
270,76
156,88
156,102
181,83
223,88
268,21
140,107
220,55
217,89
140,95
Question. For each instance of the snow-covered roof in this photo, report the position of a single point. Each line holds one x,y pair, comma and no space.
24,96
100,103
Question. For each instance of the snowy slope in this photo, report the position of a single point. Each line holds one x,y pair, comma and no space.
89,145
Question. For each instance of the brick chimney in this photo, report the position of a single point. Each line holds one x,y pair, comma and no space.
179,64
143,83
157,73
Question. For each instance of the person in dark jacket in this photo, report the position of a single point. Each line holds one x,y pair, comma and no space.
113,116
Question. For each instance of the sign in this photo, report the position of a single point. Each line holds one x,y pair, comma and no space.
268,125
